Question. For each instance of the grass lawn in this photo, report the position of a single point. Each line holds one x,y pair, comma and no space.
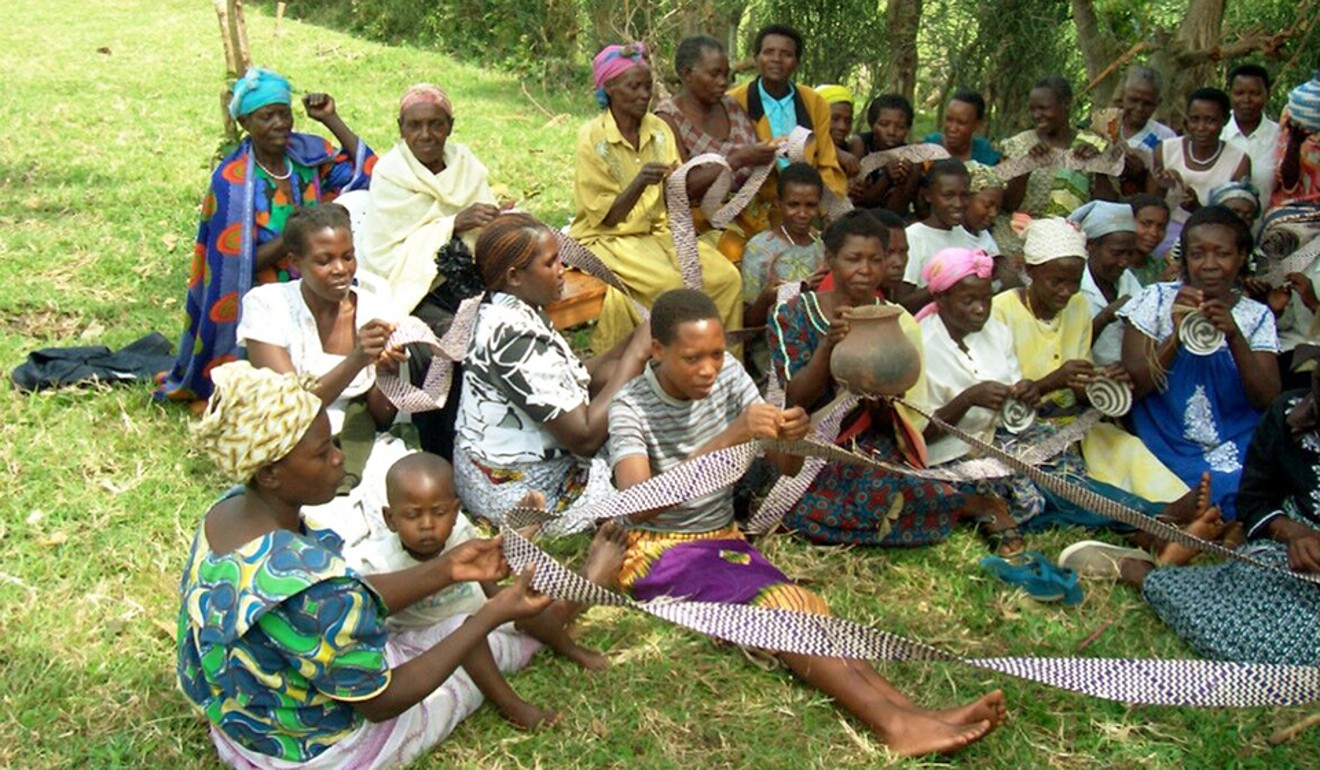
112,115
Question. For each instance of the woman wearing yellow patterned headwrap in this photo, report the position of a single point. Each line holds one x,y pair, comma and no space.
840,99
281,645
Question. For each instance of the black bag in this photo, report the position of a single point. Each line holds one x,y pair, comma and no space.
57,367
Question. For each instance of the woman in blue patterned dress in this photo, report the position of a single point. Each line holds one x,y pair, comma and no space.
282,646
1196,413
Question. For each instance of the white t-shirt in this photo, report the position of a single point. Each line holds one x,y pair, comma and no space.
277,314
385,554
924,241
1108,347
951,370
1262,147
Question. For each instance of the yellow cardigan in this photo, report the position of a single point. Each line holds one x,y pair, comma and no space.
813,113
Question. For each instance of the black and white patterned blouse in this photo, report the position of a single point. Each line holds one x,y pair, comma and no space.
519,374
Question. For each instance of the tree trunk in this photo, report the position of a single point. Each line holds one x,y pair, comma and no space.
1097,45
903,19
1201,30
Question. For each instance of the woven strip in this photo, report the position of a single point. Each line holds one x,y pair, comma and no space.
1110,162
912,153
449,350
1103,505
1154,682
1297,262
787,490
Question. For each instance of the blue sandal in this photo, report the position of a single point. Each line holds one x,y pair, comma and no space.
1038,576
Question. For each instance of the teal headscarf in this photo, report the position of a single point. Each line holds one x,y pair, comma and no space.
256,89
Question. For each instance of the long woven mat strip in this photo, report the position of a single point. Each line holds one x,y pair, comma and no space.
1104,506
1110,162
1154,682
922,152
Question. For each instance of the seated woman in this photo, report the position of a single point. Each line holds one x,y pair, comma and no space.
964,117
1292,219
282,646
331,326
851,503
1107,283
1050,323
1152,215
1139,130
1199,161
429,200
1050,192
532,416
972,370
705,119
1237,611
777,105
840,99
1197,412
893,187
273,173
695,399
623,158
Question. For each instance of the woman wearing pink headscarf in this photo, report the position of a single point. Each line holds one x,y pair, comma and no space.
970,366
623,158
429,200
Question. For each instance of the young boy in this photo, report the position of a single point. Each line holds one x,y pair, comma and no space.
693,399
945,188
424,519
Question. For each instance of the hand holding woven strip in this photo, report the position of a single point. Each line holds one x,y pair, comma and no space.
1109,162
450,349
912,153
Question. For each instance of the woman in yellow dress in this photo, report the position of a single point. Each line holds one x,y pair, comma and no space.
623,159
1051,325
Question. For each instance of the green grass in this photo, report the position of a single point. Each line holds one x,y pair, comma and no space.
101,167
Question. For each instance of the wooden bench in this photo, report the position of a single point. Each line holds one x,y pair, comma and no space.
583,297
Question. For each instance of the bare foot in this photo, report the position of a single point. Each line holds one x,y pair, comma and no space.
1207,526
606,554
1190,506
918,734
1234,535
989,707
525,716
591,660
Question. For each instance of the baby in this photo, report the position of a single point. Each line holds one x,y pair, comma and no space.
423,515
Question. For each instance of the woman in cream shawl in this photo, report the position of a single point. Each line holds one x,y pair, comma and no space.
429,201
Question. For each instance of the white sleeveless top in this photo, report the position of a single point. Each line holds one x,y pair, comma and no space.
1200,181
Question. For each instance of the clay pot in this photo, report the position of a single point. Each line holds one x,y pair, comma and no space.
876,358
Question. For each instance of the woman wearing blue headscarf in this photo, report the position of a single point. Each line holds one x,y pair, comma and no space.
273,173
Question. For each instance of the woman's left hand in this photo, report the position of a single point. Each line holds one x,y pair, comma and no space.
320,107
1221,316
1304,551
